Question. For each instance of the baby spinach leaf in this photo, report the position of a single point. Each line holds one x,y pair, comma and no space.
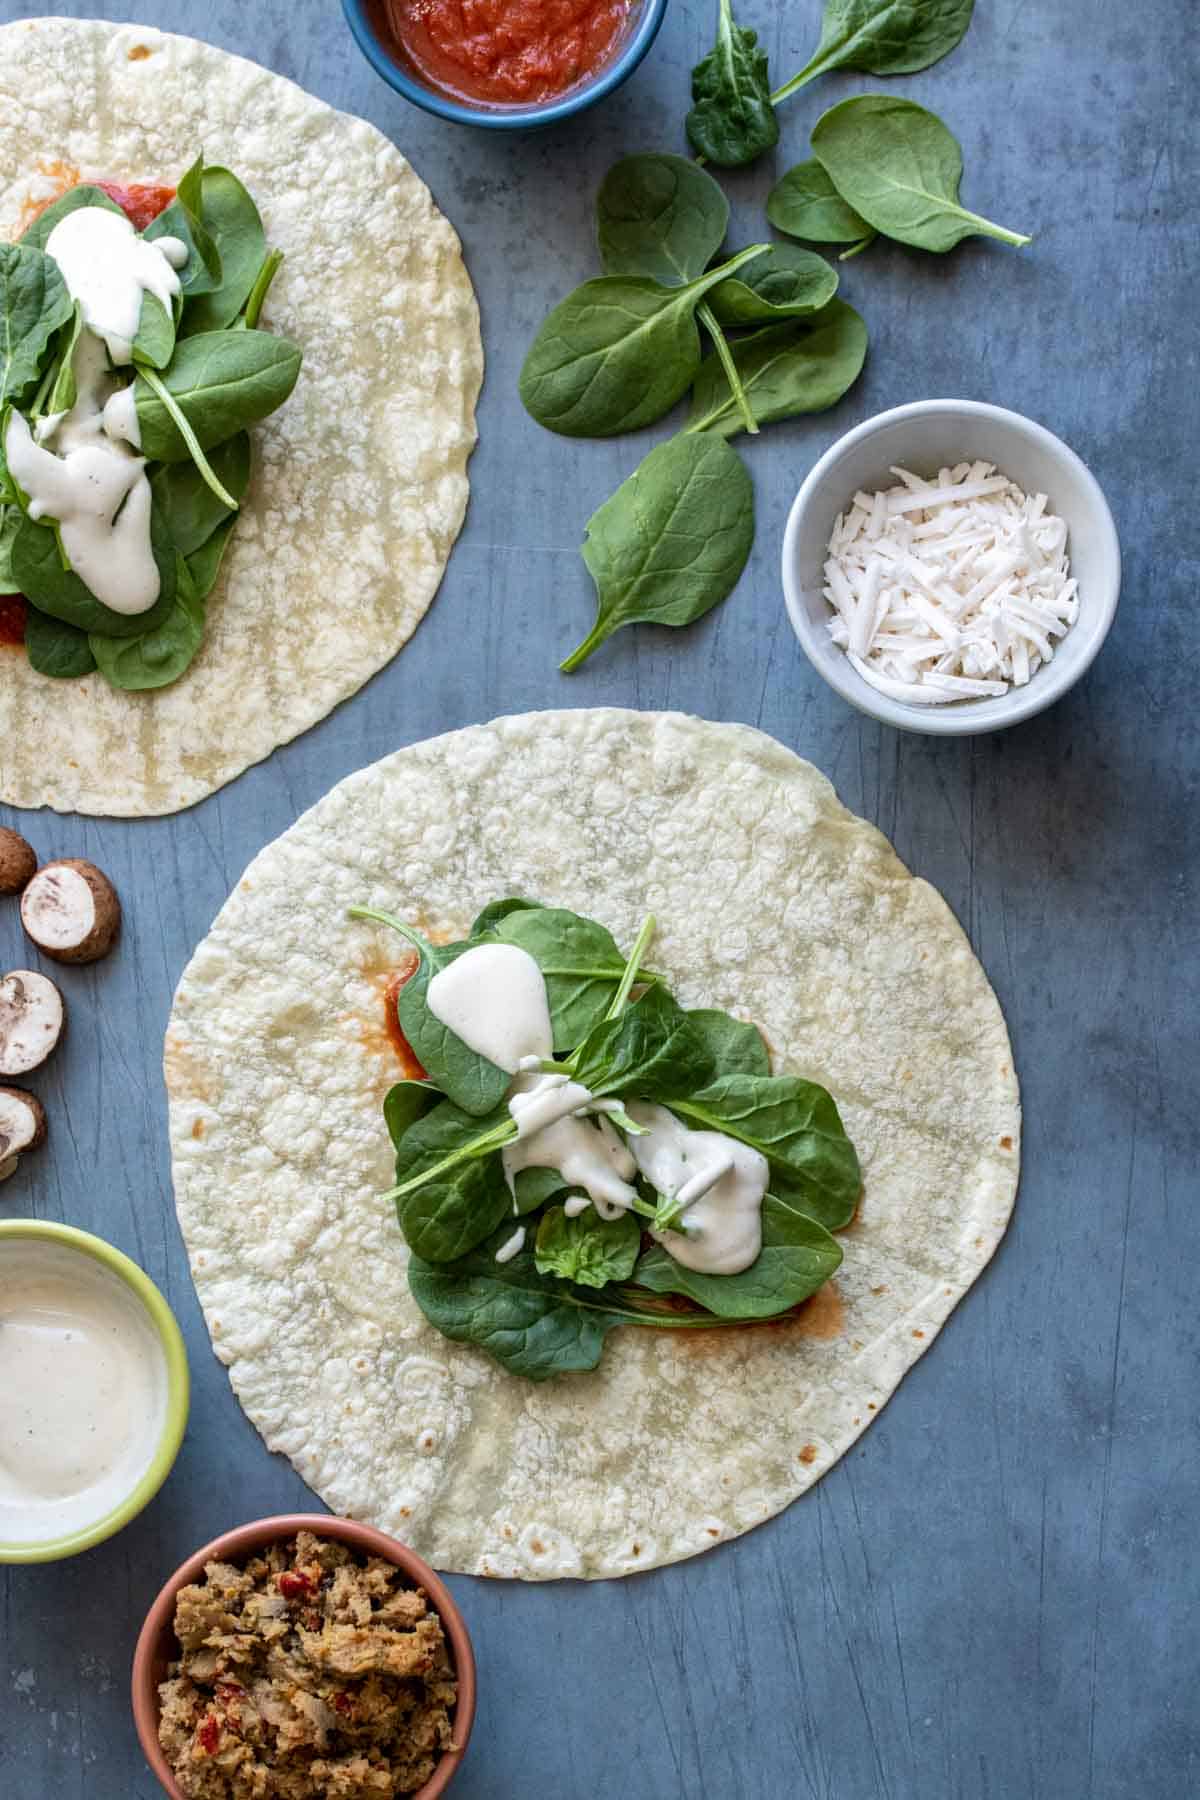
736,1048
786,283
617,353
10,524
63,394
453,1211
55,649
899,167
256,298
732,118
672,541
404,1103
204,564
222,381
155,340
588,1249
189,506
800,367
579,960
37,568
805,204
496,910
34,303
797,1257
473,1083
160,655
660,217
37,234
651,1049
535,1186
883,37
796,1126
232,221
201,273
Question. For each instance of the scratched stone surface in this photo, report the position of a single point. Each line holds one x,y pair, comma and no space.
995,1594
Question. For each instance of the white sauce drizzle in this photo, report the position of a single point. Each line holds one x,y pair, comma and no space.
107,267
83,1392
493,997
721,1183
587,1154
511,1245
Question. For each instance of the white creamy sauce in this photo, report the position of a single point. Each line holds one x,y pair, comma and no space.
83,1392
511,1245
107,267
587,1152
493,997
721,1183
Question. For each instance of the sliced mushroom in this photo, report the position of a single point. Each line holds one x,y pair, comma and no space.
18,861
32,1016
71,911
22,1122
8,1167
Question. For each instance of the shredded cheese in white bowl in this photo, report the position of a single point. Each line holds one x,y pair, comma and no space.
949,589
950,567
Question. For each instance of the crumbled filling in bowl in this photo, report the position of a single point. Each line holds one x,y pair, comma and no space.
306,1674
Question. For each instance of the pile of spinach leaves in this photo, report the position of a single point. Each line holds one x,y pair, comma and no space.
202,373
548,1309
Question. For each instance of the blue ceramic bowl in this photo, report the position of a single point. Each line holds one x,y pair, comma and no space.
641,34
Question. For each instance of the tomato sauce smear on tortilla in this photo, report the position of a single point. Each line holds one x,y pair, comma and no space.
140,201
502,52
410,1067
13,612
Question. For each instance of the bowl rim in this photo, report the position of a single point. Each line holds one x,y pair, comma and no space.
444,106
178,1387
964,717
243,1540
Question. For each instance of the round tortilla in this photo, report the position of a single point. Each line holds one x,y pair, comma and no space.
359,484
772,901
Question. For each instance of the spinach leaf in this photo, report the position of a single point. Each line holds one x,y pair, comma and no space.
64,392
37,234
189,506
736,1048
222,381
34,303
805,204
660,217
404,1103
797,1257
900,167
204,564
452,1211
672,541
256,299
786,283
617,353
57,650
800,367
589,1250
796,1126
37,568
732,118
496,910
473,1083
651,1049
155,340
159,655
579,960
10,524
232,221
535,1186
201,273
883,37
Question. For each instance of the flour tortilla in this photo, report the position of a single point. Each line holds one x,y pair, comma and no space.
360,481
772,901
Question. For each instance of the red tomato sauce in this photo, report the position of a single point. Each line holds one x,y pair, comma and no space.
141,201
409,1066
508,52
13,609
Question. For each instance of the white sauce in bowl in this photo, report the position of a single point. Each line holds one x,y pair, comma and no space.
83,1391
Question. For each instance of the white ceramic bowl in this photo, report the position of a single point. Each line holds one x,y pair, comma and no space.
924,437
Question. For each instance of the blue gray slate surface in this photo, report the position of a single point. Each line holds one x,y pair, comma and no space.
995,1595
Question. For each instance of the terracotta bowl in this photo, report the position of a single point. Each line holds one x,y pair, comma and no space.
157,1645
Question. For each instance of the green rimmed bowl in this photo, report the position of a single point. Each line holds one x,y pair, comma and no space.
162,1321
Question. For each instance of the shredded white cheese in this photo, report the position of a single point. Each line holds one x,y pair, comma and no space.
950,589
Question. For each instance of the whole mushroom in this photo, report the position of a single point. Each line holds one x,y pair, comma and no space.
32,1017
18,861
71,911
